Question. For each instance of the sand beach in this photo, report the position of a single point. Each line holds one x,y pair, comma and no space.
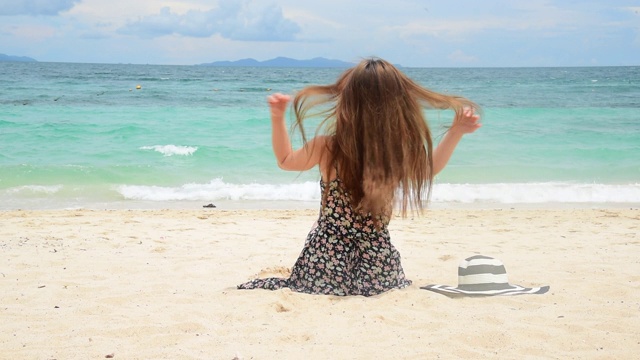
160,284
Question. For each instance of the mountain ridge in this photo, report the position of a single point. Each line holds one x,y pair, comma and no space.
282,61
5,57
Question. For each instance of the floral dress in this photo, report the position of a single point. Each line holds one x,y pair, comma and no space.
343,255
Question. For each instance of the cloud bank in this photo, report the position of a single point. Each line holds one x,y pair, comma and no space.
408,32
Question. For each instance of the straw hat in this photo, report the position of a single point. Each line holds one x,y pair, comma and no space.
481,275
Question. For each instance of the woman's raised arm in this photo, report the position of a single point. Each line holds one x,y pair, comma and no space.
464,122
302,159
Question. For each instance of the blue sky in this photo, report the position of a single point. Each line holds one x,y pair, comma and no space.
453,33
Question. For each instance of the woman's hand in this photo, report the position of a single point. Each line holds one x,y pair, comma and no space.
278,104
466,121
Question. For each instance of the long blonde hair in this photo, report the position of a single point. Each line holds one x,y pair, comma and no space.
380,140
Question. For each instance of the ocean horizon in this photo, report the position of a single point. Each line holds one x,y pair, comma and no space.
166,136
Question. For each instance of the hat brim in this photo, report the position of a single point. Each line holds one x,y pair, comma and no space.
509,291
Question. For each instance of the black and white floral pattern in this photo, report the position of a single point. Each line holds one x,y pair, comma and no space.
343,255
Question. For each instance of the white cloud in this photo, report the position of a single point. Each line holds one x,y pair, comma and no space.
460,57
35,7
36,33
463,27
235,20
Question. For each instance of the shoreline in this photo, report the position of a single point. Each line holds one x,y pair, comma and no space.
306,195
300,205
160,283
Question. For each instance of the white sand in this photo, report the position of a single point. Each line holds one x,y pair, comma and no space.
160,284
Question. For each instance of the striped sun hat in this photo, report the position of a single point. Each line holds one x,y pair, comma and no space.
481,275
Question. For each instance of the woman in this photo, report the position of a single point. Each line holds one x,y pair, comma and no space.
377,142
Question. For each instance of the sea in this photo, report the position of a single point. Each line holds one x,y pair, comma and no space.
123,136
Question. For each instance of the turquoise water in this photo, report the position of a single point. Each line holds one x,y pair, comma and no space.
82,135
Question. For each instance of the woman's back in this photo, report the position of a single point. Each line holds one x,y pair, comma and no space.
337,210
380,139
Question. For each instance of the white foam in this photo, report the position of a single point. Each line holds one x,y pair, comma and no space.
537,193
34,189
170,150
219,190
526,193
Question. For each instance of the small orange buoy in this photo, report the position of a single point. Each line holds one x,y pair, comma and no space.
138,87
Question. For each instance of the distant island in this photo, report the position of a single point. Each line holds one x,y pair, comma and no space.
283,62
4,57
